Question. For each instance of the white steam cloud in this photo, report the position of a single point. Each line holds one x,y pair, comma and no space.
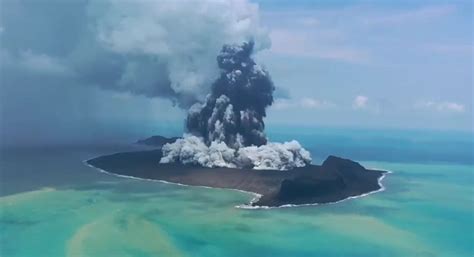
275,156
181,37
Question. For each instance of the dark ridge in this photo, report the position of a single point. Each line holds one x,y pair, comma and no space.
336,179
157,141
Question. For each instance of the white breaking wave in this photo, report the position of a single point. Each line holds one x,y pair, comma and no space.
273,156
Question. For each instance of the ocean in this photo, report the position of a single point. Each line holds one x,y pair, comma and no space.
51,204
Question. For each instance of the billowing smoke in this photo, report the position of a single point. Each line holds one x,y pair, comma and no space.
276,156
227,130
171,45
233,113
162,48
158,49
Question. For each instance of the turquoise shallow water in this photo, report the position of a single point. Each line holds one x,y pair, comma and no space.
53,205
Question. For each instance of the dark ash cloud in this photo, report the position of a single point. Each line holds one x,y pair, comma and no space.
227,130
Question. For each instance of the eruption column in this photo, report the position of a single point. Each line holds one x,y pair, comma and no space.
227,130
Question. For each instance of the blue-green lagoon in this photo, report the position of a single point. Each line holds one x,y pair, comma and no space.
53,205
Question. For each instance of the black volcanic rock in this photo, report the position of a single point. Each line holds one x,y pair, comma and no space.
308,187
157,141
336,179
345,167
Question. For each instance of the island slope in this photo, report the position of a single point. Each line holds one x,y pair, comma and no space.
336,179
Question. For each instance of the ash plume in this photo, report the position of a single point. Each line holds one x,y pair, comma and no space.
156,49
233,112
227,130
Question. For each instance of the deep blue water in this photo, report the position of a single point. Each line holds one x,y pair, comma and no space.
414,146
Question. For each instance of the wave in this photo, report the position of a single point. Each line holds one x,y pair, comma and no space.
379,181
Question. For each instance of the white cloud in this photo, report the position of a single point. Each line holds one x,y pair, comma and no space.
311,103
302,44
152,48
360,102
183,37
42,63
414,15
441,106
454,107
305,103
282,104
322,33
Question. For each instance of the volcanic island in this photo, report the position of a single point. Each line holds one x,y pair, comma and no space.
225,146
334,180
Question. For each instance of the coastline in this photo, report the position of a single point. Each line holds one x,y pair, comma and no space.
381,189
252,204
164,181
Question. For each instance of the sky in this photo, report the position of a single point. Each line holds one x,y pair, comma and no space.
85,71
400,64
